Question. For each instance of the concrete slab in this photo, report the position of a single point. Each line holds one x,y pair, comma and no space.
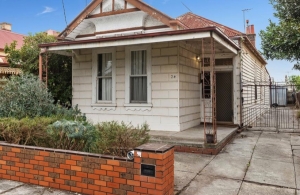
297,171
227,166
191,162
212,186
247,137
255,189
295,147
7,185
187,166
194,135
182,179
26,190
239,149
271,172
296,155
295,140
275,153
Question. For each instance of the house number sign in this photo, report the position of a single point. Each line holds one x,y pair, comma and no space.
173,77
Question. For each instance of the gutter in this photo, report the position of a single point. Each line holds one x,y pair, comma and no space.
140,36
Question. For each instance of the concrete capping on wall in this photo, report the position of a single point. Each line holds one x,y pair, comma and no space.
90,173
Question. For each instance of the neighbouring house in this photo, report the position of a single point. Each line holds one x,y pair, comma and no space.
135,64
6,38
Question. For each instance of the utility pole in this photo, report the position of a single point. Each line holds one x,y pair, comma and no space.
244,10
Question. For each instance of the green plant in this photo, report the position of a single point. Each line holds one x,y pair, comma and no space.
71,135
27,131
59,66
298,115
117,139
25,96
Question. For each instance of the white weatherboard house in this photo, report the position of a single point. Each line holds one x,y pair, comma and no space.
133,63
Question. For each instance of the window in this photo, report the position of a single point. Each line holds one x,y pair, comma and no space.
104,77
138,76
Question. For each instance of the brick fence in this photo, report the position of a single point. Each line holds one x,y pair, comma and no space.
91,173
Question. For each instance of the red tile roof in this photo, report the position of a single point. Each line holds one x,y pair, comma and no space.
194,21
7,37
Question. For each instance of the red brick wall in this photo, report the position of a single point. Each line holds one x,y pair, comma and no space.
89,173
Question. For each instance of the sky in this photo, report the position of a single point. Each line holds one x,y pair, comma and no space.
32,16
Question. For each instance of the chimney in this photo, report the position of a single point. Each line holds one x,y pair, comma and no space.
5,26
251,33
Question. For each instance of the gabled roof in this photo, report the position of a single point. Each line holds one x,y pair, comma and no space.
194,21
140,5
7,37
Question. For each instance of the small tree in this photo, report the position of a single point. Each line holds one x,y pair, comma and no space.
295,80
59,67
282,40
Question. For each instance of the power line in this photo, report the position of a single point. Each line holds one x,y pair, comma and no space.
63,4
186,7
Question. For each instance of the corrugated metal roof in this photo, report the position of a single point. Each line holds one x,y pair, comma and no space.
7,37
194,21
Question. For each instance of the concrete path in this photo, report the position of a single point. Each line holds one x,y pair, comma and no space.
17,188
254,163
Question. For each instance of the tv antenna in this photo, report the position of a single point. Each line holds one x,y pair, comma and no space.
245,10
186,7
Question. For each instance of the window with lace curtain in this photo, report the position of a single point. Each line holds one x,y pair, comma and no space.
104,77
138,77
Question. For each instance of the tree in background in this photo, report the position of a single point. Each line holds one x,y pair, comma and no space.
295,80
59,67
282,40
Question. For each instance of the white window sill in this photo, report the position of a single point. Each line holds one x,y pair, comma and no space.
103,106
138,107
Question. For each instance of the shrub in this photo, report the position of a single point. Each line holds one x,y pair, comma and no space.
298,114
69,113
25,131
117,139
71,135
25,96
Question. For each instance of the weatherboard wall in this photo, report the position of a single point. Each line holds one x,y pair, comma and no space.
163,115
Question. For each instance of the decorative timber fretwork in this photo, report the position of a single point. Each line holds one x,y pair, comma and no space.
123,30
139,6
8,70
80,18
122,11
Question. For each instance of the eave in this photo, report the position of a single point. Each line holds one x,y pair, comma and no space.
144,39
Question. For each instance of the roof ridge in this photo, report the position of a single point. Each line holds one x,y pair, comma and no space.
12,32
211,21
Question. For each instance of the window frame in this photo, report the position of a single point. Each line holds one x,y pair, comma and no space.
128,75
95,78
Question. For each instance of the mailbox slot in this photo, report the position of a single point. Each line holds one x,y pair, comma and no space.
148,170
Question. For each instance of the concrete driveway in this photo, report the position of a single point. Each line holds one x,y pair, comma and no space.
255,162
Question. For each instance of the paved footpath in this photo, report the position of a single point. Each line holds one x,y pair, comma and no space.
254,163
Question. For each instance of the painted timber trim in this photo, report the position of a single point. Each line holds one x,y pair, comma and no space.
139,39
79,18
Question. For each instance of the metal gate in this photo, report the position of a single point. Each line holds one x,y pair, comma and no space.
272,119
268,106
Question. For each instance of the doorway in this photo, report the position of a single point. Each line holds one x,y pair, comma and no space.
224,95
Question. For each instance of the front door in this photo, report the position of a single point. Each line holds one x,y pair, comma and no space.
224,96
